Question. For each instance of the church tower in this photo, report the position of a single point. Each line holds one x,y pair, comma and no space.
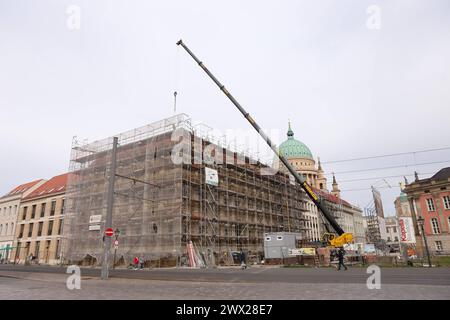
321,182
335,191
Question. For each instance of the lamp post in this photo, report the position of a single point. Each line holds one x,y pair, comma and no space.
420,222
116,234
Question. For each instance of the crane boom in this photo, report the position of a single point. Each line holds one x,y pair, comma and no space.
344,237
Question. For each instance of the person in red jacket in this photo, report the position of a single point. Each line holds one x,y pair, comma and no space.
136,263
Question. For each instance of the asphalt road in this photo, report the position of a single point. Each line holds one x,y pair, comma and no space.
404,276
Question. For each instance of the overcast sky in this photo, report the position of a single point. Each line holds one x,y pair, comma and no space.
349,90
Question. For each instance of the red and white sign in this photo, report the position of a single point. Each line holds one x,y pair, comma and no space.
406,230
109,232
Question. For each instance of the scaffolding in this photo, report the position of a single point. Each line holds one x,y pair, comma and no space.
162,205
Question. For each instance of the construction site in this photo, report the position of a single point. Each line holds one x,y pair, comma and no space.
175,203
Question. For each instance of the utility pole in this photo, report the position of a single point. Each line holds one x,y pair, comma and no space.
109,209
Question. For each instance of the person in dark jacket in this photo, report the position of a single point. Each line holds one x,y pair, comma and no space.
341,254
242,258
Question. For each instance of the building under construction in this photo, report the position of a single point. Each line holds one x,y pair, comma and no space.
181,197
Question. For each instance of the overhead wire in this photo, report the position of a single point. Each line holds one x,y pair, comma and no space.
390,167
386,155
385,177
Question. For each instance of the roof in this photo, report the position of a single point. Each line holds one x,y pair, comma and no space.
55,185
332,198
292,148
22,188
441,175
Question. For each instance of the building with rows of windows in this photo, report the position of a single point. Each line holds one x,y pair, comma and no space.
9,208
430,199
40,223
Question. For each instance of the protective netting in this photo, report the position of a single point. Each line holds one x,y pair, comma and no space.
161,206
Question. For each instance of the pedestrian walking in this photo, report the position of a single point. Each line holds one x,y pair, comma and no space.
341,254
136,263
30,259
242,258
141,262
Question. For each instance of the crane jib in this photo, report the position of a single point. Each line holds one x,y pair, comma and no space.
300,180
308,189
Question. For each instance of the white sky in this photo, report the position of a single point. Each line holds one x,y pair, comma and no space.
348,90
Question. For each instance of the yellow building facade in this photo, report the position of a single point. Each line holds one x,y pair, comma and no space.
40,224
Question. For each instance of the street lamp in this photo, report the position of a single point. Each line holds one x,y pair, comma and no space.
116,234
420,222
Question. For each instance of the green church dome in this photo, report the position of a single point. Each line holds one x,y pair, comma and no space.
403,197
292,148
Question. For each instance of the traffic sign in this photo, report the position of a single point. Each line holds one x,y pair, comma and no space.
116,242
109,232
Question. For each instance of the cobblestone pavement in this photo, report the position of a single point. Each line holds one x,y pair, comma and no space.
19,285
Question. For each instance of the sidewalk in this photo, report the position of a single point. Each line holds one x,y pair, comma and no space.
22,285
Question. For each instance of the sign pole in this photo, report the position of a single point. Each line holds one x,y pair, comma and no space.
114,260
109,210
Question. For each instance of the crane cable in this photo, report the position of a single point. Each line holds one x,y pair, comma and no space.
176,77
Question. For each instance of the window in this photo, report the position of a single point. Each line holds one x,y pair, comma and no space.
38,247
6,229
22,226
435,226
30,230
33,211
42,210
50,228
41,224
279,237
430,204
394,229
12,229
63,204
396,239
61,224
53,208
267,238
438,245
1,228
447,202
24,217
58,248
388,239
387,230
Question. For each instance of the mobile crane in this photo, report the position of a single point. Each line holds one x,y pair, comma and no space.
331,239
